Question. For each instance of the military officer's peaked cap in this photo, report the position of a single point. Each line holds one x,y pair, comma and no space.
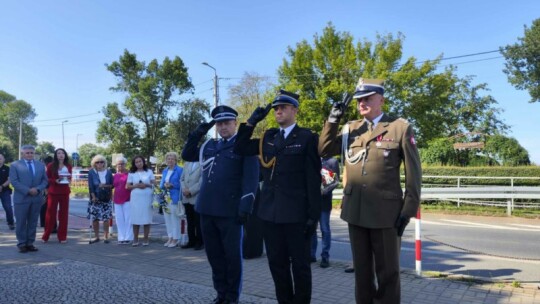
221,113
286,98
367,87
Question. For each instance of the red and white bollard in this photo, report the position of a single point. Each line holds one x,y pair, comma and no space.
111,230
183,229
418,243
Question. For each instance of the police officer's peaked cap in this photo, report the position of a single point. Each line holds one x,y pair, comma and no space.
367,87
286,98
221,113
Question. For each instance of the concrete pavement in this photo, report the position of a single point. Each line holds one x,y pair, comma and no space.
77,272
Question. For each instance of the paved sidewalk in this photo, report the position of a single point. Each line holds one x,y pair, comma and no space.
77,272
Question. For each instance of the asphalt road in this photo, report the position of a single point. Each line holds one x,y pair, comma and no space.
487,247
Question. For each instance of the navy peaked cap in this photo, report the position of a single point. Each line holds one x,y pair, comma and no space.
284,97
221,113
368,87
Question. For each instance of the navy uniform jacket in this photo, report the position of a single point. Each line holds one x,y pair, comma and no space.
291,191
229,181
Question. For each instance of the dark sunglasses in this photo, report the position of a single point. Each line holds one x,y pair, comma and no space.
100,162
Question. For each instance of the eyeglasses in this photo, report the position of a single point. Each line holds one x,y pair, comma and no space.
100,162
120,164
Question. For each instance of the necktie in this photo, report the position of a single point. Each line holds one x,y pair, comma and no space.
30,167
280,139
370,127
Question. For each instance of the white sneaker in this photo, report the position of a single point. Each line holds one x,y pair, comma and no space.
173,244
167,244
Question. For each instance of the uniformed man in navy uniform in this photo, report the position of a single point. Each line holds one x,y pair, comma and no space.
374,204
291,194
229,184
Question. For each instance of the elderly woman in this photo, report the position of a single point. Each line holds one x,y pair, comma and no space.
100,184
140,181
170,181
59,175
191,184
121,202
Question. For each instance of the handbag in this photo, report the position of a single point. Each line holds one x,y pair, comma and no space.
104,194
180,210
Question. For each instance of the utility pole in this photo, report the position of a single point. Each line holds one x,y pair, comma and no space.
63,141
20,137
216,91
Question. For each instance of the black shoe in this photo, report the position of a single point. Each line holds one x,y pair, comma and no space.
23,249
218,300
313,260
94,241
324,263
31,248
349,269
11,227
199,247
188,245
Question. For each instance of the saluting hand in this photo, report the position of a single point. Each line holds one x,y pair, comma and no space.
259,114
203,128
339,108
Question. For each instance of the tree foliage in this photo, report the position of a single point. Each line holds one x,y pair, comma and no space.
45,148
523,61
151,91
439,104
507,151
88,151
251,92
191,114
12,111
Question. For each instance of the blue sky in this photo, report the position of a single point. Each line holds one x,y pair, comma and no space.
53,53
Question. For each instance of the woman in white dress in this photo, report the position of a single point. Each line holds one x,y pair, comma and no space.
140,181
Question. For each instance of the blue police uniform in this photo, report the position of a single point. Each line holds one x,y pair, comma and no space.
229,184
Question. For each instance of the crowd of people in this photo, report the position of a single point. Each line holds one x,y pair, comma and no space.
286,177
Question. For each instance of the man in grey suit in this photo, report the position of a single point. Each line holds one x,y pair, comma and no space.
29,180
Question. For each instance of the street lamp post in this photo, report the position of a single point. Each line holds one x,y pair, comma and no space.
63,140
76,147
216,91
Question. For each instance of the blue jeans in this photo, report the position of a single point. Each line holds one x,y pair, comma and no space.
5,197
326,240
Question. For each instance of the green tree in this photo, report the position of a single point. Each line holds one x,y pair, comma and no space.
191,114
45,148
439,151
88,151
332,64
7,149
150,91
251,92
118,131
12,111
506,150
523,61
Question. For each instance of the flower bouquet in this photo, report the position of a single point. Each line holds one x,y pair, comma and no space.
162,199
328,178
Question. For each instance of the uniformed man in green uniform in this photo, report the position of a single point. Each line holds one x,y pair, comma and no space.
374,204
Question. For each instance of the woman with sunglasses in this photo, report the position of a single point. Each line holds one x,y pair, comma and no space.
121,202
100,184
140,181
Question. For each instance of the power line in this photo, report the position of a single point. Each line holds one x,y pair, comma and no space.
70,117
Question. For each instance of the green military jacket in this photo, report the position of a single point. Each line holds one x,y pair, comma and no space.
373,197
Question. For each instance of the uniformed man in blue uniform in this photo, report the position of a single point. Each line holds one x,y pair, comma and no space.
229,183
290,197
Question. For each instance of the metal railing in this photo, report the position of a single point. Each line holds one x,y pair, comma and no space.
460,193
